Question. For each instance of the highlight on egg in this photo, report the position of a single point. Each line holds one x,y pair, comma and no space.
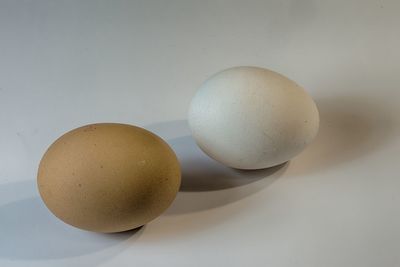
108,177
252,118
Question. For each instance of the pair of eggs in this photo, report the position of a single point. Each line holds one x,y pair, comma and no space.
110,177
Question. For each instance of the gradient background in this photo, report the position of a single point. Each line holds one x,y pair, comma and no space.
68,63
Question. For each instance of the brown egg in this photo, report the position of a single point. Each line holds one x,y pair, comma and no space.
108,177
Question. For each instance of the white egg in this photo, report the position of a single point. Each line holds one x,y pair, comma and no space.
252,118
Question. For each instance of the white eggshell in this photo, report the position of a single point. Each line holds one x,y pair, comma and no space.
252,118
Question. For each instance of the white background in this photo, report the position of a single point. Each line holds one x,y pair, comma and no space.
68,63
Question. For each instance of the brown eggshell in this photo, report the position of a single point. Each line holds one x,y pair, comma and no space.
108,177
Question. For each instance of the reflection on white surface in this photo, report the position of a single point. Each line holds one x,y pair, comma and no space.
200,172
207,184
206,187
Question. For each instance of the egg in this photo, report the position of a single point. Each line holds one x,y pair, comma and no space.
108,177
252,118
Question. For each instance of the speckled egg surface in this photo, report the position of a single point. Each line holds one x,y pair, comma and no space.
252,118
108,177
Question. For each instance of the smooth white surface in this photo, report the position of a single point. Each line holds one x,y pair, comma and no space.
252,118
68,63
